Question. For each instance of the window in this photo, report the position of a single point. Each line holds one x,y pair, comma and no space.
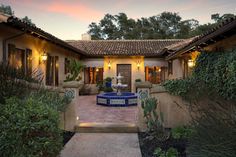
93,75
67,63
153,74
52,67
20,58
170,67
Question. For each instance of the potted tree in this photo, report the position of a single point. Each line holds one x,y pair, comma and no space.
72,82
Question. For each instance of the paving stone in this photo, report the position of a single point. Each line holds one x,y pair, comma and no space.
89,111
102,145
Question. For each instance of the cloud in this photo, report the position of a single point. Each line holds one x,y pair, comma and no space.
78,11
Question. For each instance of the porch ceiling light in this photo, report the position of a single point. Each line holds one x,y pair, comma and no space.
190,63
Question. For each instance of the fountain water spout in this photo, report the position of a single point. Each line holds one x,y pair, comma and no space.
119,85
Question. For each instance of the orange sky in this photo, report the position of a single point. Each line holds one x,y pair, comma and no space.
68,19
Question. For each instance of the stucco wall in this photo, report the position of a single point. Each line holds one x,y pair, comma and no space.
174,109
37,46
135,72
178,69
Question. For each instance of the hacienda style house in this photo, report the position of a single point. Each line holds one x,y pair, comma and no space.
25,46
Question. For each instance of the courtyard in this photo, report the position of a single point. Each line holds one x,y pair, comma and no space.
90,112
167,82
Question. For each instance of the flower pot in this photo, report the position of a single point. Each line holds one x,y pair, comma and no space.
108,84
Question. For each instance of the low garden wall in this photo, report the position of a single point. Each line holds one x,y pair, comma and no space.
174,108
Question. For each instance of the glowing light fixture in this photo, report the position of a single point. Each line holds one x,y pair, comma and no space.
109,65
97,70
44,57
138,65
190,63
159,69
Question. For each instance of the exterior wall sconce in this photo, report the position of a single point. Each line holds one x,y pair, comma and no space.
109,65
43,58
190,63
159,70
138,65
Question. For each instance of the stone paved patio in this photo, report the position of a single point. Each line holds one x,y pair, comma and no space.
89,112
102,145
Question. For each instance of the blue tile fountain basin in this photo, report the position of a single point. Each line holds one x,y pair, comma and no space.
112,99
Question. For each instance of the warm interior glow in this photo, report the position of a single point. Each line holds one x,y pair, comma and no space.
190,63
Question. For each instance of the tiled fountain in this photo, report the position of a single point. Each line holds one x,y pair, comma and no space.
118,99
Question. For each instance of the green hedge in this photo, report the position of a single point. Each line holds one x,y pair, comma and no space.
29,128
214,72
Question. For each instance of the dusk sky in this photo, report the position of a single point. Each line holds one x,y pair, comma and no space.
68,19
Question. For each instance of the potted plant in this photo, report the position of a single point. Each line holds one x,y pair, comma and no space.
138,80
72,82
108,82
100,86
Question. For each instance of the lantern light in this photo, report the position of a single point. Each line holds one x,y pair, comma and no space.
190,63
44,57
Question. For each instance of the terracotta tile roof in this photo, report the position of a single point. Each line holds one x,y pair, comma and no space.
227,27
17,23
123,47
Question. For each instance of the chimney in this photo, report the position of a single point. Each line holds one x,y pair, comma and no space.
86,36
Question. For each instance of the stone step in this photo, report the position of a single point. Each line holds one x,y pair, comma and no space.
106,128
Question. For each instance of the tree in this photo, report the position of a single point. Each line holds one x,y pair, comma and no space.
186,28
28,20
6,9
166,25
217,18
95,31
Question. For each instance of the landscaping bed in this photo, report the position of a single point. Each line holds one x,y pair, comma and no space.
148,145
67,135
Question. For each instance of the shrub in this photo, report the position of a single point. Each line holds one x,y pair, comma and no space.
52,99
29,128
211,92
181,132
214,74
171,152
138,80
75,67
100,85
153,120
108,79
11,81
108,89
215,132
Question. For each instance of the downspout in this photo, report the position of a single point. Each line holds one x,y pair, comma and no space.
4,44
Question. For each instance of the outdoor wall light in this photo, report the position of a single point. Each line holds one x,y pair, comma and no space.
159,69
190,63
43,58
109,65
138,65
